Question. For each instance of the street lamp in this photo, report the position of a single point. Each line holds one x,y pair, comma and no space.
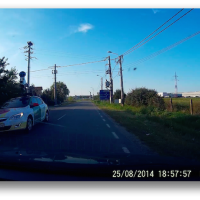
101,82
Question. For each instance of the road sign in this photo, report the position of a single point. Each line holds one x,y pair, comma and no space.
107,84
104,94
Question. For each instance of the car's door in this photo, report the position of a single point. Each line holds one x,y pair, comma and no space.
42,106
36,110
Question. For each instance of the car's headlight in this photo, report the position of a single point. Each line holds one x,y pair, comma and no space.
17,116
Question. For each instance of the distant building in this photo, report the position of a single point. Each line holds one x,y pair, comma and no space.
180,94
166,94
172,95
191,94
82,97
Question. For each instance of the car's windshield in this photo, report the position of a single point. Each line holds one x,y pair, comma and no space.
17,102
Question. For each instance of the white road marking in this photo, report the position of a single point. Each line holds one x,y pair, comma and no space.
115,135
125,150
108,125
52,124
61,117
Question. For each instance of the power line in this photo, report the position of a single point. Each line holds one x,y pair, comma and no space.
132,49
76,72
116,75
40,70
114,67
71,73
154,31
83,63
161,51
70,65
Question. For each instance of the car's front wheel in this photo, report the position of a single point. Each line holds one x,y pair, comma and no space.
29,124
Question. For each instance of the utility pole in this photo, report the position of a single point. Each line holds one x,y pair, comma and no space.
55,91
29,57
111,81
122,88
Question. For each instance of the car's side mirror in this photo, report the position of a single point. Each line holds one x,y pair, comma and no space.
34,105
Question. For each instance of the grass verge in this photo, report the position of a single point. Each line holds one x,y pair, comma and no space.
168,133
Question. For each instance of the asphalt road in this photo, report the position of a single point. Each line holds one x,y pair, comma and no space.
79,128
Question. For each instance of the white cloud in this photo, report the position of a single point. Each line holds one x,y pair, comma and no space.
84,27
155,11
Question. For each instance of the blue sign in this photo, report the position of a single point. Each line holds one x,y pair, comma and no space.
104,94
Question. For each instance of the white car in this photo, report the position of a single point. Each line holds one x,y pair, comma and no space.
23,113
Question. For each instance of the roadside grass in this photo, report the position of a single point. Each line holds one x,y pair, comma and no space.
167,133
79,100
183,105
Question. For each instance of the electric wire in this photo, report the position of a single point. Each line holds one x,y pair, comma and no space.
161,51
133,48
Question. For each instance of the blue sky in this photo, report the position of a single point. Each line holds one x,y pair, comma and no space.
72,36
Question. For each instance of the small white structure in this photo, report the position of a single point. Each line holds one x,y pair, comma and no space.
163,94
117,101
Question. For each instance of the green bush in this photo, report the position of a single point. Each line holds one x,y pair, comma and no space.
145,97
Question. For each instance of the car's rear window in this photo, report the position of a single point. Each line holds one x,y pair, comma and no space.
17,102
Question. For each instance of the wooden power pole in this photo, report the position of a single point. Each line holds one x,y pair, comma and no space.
121,75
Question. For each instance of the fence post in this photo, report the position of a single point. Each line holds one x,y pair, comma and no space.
171,104
191,107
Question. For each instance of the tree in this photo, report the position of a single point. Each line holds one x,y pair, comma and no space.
3,72
47,96
9,87
62,91
117,94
